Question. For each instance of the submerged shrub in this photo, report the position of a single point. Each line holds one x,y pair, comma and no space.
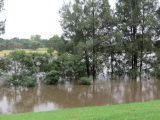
14,80
22,80
52,77
85,81
29,81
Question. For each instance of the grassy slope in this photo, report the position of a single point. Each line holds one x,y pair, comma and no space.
136,111
7,52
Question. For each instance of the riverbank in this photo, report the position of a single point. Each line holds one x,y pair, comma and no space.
134,111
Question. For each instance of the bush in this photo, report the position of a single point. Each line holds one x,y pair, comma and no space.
29,81
22,80
4,64
14,80
52,77
85,81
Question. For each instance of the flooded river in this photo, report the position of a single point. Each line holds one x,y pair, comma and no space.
45,98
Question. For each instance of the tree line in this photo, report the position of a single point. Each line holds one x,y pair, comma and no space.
124,39
34,42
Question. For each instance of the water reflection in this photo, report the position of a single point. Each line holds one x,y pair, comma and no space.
45,106
5,106
44,98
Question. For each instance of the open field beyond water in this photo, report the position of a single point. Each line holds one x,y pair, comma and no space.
7,52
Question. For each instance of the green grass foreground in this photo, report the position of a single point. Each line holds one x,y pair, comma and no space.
135,111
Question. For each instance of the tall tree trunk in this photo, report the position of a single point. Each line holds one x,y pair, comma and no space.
93,49
135,64
87,63
132,61
142,46
134,38
112,66
134,54
141,59
94,66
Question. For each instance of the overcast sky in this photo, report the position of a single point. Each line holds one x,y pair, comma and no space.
31,17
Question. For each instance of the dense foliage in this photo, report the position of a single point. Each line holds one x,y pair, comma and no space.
122,40
24,68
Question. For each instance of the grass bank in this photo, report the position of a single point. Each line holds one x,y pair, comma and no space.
135,111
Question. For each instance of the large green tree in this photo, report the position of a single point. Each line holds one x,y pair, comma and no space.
137,22
86,23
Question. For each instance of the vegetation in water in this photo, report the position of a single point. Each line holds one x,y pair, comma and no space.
85,80
52,77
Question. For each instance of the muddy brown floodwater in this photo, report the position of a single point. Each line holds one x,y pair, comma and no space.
45,98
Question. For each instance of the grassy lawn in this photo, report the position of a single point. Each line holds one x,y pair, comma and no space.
39,50
135,111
